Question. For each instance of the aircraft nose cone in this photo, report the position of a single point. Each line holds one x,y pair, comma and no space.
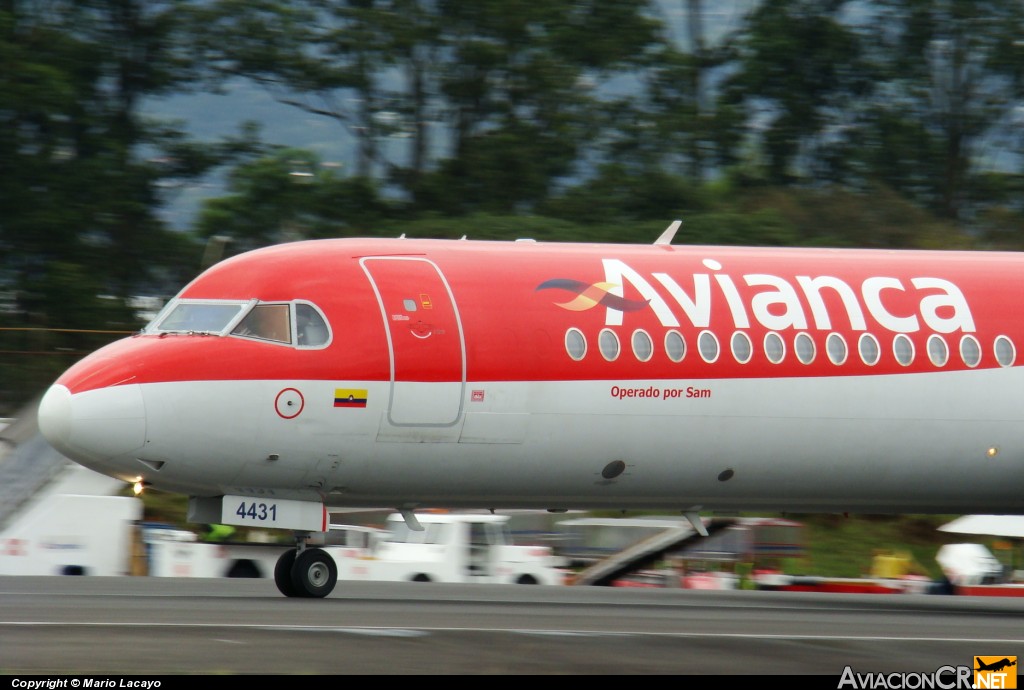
55,416
95,425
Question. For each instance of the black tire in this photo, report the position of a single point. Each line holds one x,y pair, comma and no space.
527,580
421,578
314,573
283,573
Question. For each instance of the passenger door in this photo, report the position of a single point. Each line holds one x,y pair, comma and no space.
425,340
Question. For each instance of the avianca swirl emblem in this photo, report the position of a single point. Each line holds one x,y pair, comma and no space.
589,296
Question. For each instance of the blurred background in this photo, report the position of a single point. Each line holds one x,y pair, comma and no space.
143,140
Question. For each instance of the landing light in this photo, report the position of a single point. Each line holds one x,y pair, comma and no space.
992,452
138,487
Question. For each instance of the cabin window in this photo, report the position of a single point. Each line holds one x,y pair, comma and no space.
608,343
741,347
774,347
903,348
804,346
267,322
835,346
869,349
1006,353
970,351
575,344
707,344
938,352
675,346
643,348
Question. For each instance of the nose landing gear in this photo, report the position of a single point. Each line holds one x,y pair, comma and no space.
305,572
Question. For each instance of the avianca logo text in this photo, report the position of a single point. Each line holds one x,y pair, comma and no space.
940,304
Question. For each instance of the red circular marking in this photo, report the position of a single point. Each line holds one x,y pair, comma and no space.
283,407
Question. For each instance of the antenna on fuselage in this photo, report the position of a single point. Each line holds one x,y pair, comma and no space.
670,232
410,519
698,525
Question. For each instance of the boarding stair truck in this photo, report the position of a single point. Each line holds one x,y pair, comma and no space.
450,547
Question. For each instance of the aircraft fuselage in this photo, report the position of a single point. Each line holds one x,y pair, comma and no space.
560,376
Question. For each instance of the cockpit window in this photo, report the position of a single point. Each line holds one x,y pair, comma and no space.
197,317
267,322
298,323
292,323
311,329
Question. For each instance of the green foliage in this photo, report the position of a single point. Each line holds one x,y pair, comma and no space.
83,176
567,120
158,506
838,217
845,546
620,191
796,64
948,75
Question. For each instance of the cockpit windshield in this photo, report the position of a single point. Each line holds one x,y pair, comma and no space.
297,323
186,316
267,322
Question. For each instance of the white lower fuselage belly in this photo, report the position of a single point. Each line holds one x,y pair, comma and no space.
941,442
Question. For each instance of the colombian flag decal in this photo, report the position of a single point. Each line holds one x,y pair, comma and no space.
350,397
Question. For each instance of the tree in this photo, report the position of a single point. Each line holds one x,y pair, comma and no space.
798,69
510,86
948,104
523,83
288,196
333,60
80,184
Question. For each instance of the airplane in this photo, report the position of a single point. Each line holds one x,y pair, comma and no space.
422,374
996,665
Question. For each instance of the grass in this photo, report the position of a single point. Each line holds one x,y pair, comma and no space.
841,546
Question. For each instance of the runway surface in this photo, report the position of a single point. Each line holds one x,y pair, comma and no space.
149,626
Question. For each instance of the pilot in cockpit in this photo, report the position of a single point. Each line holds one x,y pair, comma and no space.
312,331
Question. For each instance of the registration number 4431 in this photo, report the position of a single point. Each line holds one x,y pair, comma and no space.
278,513
261,512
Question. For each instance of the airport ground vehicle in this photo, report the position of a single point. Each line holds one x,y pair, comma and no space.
56,516
67,534
452,547
971,569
